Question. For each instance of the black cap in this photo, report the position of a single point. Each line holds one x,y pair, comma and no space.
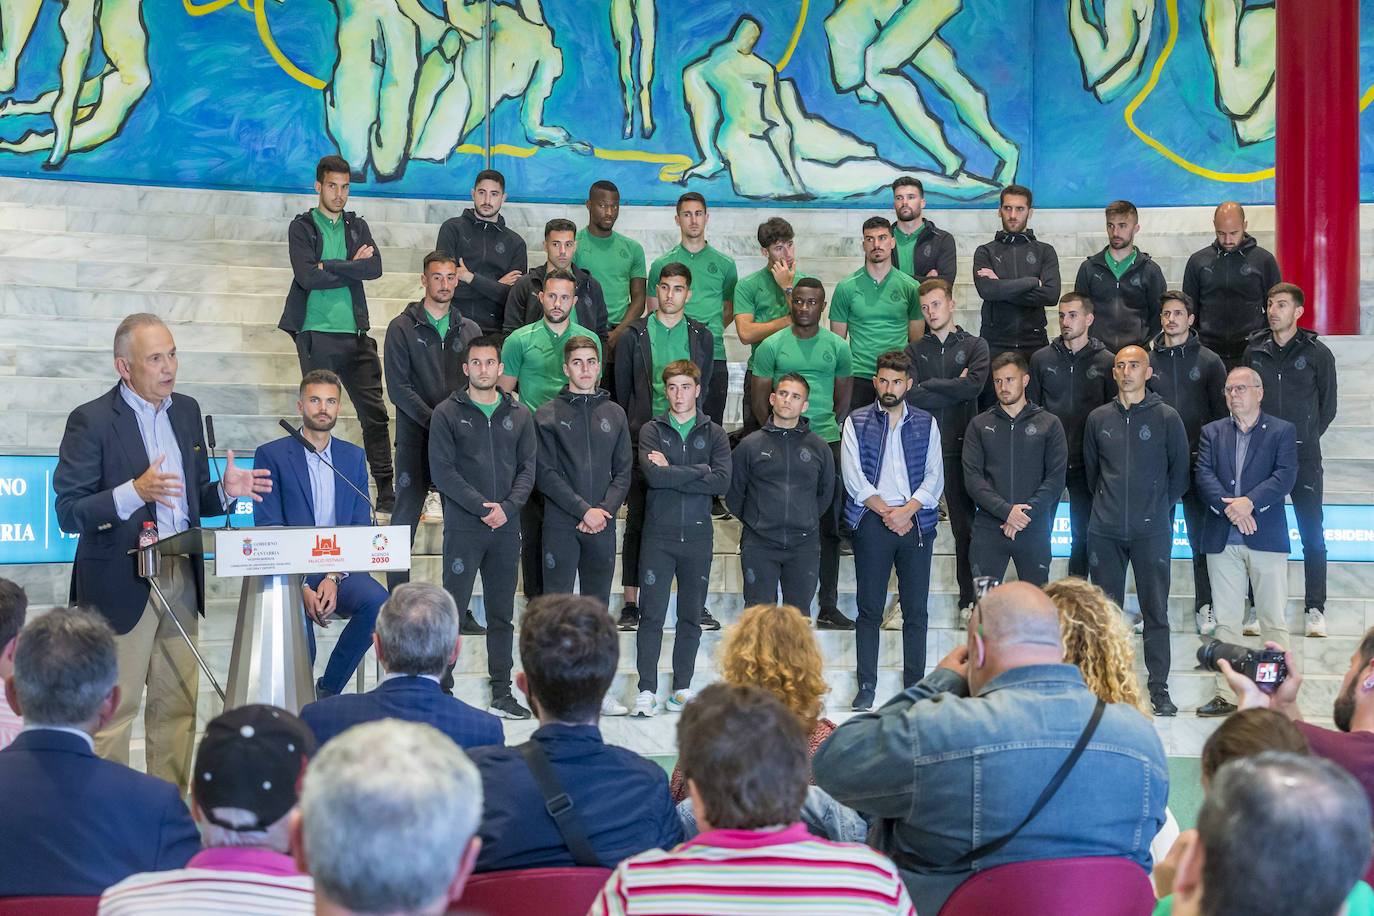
251,758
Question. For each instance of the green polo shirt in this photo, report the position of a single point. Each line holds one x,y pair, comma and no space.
1118,267
877,314
488,409
330,310
713,284
759,296
906,249
439,324
665,346
533,354
683,429
614,261
820,361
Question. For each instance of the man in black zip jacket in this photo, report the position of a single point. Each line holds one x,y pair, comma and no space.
685,459
1018,277
1123,283
781,481
522,303
1299,375
1191,379
424,349
948,369
1135,455
1014,460
482,448
491,256
584,474
1228,282
332,253
635,357
923,250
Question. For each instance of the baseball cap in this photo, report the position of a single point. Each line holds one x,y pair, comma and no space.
251,758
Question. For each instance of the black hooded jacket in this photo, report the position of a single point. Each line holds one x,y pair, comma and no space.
584,455
634,367
1229,290
1191,379
1070,385
677,506
1013,460
421,369
1136,463
1125,311
523,307
476,459
1299,384
933,250
1027,283
490,249
309,272
939,387
781,483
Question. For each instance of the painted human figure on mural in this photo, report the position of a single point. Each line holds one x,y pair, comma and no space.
1240,41
16,27
1111,43
872,41
626,17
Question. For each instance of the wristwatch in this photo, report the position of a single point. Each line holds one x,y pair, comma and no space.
334,577
788,290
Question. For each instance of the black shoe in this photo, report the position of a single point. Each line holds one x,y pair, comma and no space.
321,692
863,700
629,618
470,626
708,622
846,546
1162,705
718,510
830,618
505,706
1216,707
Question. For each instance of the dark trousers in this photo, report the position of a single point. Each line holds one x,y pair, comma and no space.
831,519
765,567
353,358
412,485
531,545
991,550
961,524
716,392
496,554
1194,510
989,397
751,422
862,393
1080,511
360,598
571,554
1307,506
608,379
1149,560
659,562
634,525
877,551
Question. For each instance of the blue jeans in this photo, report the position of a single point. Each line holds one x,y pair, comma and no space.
360,598
876,552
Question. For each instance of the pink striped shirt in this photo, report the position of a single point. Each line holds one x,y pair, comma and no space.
756,873
240,882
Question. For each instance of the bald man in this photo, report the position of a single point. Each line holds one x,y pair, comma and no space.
966,752
1135,459
1228,281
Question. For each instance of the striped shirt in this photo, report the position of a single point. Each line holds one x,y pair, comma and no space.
756,873
222,881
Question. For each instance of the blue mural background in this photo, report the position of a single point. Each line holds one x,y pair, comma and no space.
220,111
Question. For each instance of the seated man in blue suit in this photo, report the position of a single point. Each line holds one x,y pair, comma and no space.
416,638
74,823
308,494
1246,466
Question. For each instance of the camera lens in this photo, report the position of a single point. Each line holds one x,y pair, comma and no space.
1213,650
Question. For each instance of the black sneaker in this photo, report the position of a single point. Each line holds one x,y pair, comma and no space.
718,510
1215,708
629,618
830,618
846,546
320,691
863,700
708,622
1162,705
470,627
506,706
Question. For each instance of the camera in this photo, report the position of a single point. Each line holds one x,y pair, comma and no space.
1265,667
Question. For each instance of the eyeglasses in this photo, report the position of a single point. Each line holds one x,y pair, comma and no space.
1239,389
981,586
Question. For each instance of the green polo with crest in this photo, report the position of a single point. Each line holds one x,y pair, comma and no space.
877,314
820,360
614,261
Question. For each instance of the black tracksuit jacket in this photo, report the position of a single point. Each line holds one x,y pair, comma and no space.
422,369
678,503
1071,385
1137,467
934,250
1009,460
634,368
1299,384
781,483
1191,379
1014,304
937,387
523,306
584,454
474,459
1125,311
490,250
1229,290
305,247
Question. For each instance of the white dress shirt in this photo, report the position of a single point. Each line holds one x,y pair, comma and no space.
892,485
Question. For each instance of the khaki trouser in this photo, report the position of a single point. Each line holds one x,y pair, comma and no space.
154,654
1233,572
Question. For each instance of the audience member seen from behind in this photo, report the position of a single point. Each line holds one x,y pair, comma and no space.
743,754
1097,641
999,715
247,774
1267,821
569,648
416,638
772,646
387,821
14,603
74,823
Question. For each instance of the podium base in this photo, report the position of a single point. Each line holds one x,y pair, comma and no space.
271,658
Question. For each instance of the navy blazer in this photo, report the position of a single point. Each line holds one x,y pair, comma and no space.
1271,467
76,824
412,699
102,449
291,503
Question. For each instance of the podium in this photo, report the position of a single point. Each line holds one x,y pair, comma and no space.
270,660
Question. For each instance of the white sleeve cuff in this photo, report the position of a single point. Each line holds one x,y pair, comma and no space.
126,500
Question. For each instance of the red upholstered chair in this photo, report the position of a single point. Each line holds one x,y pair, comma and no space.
1099,886
546,891
49,906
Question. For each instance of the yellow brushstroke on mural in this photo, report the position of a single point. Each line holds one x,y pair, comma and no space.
796,36
674,164
204,9
265,33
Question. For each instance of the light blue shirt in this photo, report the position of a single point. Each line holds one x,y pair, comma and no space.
322,485
158,439
893,486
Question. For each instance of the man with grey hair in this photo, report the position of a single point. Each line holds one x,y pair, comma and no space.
388,821
416,638
247,773
1257,812
14,604
74,823
134,460
965,753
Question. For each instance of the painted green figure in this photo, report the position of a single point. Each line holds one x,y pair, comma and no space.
626,16
1241,44
872,41
1111,46
17,18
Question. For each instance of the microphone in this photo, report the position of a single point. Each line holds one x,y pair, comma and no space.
210,440
305,443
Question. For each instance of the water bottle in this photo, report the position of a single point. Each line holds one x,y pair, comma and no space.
147,558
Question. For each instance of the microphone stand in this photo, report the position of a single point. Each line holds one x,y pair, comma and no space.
210,440
306,444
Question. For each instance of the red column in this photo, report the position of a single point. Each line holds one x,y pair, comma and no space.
1317,191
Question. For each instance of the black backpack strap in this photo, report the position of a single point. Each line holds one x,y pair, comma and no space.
559,805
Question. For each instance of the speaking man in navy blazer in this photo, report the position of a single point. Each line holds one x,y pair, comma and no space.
74,823
1246,466
308,493
132,456
417,638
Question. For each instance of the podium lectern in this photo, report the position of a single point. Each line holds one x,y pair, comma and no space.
270,660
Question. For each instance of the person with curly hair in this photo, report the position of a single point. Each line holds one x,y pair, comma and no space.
772,646
1097,641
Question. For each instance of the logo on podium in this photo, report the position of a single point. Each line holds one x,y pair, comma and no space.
247,547
379,541
326,547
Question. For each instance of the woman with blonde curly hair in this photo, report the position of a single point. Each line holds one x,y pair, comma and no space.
772,647
1097,641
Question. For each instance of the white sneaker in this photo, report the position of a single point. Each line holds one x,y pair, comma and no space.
892,617
434,508
1138,628
965,613
611,707
1316,622
1206,620
680,699
646,706
1251,625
